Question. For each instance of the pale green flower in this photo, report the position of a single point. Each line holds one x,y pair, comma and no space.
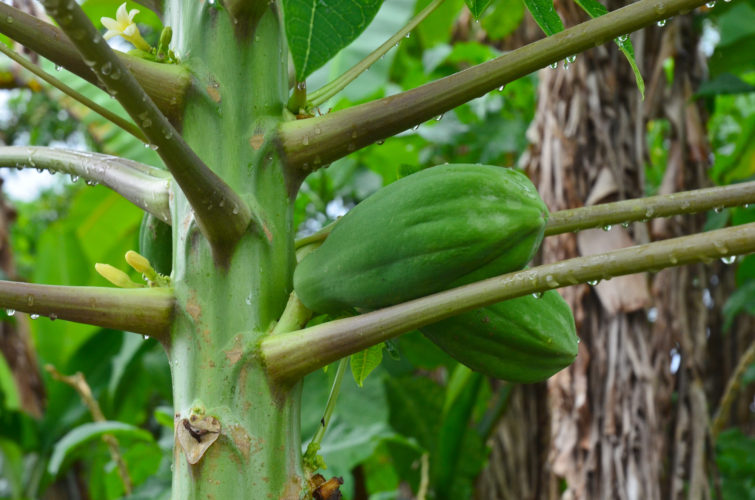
123,25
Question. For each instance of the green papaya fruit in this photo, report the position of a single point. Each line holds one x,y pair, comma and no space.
156,243
424,233
526,339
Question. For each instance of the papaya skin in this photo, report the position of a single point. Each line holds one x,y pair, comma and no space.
424,233
524,340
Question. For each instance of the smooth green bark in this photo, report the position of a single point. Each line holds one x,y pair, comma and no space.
240,85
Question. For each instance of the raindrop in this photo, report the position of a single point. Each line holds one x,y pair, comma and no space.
144,337
649,212
53,316
74,178
551,281
58,67
553,65
708,299
439,117
91,182
380,142
625,225
408,35
153,147
571,59
116,74
727,1
661,23
167,134
607,227
147,123
623,38
729,260
106,68
415,127
537,295
235,210
593,282
652,314
34,316
718,210
10,312
500,89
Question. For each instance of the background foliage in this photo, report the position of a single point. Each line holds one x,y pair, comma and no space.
419,411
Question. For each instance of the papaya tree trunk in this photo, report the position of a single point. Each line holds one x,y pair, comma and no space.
237,435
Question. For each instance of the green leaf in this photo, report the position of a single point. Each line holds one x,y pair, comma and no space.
503,19
364,362
9,397
86,433
317,30
545,16
477,7
437,27
596,9
461,395
742,300
725,83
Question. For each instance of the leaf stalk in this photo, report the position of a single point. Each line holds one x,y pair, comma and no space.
290,356
145,186
166,84
222,216
148,311
313,143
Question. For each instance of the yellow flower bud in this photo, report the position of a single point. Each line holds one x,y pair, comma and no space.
115,276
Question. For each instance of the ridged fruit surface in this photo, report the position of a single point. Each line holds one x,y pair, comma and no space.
526,339
156,243
422,234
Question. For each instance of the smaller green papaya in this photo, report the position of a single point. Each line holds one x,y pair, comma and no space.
427,232
525,340
156,243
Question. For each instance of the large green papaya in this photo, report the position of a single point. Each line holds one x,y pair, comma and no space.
156,243
423,234
526,339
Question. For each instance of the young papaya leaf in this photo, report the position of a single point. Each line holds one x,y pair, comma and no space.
317,30
86,433
545,16
364,362
596,9
477,7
